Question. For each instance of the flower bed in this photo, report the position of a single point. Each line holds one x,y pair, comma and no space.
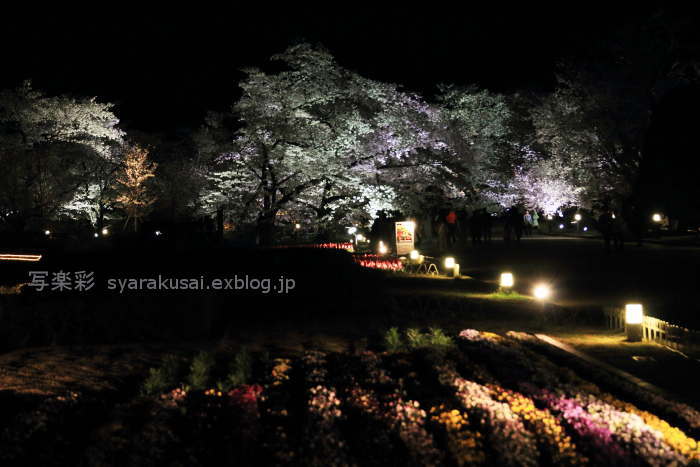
496,400
379,262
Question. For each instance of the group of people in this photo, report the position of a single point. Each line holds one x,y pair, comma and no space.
450,226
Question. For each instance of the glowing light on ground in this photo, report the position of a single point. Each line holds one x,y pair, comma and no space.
14,257
542,292
507,279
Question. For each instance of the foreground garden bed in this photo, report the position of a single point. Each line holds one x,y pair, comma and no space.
427,399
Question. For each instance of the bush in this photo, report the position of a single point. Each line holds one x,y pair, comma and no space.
438,338
200,370
240,371
392,340
416,339
164,378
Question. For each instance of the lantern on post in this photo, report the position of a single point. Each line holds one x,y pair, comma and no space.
634,316
451,267
506,282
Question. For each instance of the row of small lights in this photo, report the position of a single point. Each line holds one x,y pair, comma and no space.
634,312
105,232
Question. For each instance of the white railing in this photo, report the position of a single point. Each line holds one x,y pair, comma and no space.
656,330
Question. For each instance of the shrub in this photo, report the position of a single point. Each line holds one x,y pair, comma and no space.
392,340
415,339
438,338
164,378
200,370
240,371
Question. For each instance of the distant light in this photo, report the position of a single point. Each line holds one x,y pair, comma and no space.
105,231
414,255
561,226
297,226
542,292
95,235
577,216
382,248
47,232
613,215
14,257
449,262
158,233
585,229
352,230
360,237
634,313
549,217
507,279
656,217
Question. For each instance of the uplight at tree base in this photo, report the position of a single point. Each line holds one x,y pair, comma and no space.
634,316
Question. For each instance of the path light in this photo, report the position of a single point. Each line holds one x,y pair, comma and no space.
634,315
561,226
542,292
451,266
105,231
47,232
95,235
585,229
577,217
656,217
297,226
507,280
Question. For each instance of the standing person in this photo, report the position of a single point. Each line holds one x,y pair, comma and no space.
604,226
517,220
527,223
507,226
475,227
487,225
451,222
440,231
535,220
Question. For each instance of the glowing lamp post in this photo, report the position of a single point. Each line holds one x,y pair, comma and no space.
451,267
634,315
542,292
506,282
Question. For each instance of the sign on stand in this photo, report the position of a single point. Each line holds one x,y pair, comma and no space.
405,237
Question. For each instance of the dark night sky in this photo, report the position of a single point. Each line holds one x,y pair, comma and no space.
165,71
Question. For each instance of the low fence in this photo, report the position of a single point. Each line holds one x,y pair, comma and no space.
656,330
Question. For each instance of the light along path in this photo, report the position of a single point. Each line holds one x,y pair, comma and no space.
16,257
